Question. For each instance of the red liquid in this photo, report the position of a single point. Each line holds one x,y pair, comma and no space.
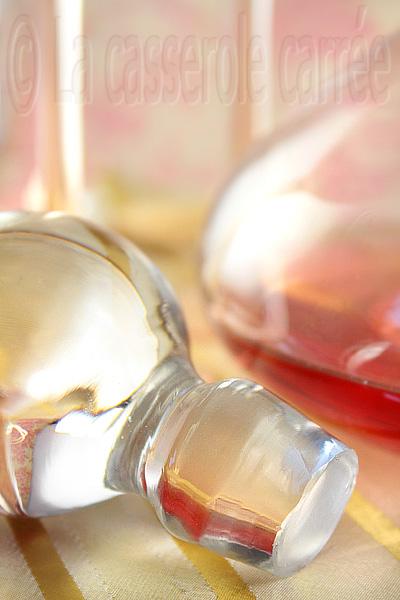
335,352
198,520
327,398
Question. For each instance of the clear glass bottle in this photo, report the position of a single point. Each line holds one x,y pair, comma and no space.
301,262
99,398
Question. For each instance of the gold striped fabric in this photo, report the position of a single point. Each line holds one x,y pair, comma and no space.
118,550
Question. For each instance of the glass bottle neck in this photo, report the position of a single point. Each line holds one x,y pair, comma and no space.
229,466
148,409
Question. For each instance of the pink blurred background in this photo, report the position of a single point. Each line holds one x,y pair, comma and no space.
164,146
